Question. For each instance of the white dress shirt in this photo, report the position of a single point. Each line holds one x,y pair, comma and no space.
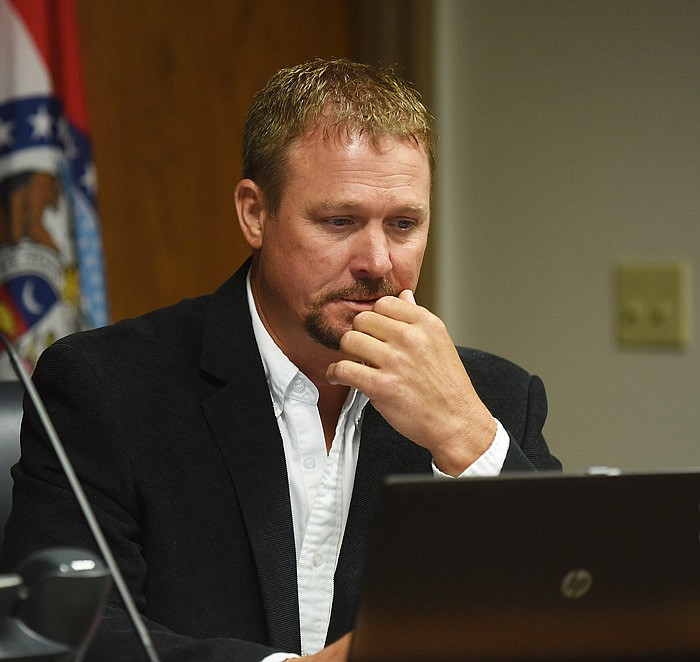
320,482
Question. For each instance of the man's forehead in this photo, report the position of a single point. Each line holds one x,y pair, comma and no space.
398,160
335,134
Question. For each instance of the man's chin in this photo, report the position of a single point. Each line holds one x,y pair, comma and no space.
324,333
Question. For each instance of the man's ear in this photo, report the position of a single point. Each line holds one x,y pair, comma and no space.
251,210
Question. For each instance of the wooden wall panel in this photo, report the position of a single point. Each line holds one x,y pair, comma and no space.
168,84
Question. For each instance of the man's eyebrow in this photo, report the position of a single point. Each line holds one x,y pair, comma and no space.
326,206
332,205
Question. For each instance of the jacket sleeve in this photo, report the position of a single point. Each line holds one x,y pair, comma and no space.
529,451
519,401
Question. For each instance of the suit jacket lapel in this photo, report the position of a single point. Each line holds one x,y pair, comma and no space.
243,423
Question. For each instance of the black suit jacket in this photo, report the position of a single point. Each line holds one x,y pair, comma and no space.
169,423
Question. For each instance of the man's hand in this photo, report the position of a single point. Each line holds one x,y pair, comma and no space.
403,359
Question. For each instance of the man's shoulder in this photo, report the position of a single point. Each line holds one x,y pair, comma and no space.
484,364
500,382
172,324
163,341
178,325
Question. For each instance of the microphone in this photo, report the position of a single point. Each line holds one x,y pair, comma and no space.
84,504
51,607
18,642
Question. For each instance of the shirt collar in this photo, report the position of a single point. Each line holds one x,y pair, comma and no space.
281,373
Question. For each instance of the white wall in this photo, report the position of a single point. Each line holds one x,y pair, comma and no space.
570,140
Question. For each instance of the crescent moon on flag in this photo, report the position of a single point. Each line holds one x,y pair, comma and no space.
29,300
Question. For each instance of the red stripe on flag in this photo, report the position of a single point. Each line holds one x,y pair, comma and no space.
53,25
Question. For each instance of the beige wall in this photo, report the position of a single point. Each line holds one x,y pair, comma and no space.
570,140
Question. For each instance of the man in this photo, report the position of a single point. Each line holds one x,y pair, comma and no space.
233,445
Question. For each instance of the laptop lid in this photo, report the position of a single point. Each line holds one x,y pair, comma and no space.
533,567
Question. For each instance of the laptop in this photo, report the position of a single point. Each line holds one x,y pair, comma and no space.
540,567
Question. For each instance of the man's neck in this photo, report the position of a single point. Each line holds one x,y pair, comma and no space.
313,359
330,403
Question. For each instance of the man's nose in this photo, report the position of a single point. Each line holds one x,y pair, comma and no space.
372,257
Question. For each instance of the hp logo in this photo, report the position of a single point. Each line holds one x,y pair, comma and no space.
576,583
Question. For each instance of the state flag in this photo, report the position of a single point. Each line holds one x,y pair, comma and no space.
51,268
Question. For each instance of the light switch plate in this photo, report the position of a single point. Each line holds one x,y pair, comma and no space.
653,304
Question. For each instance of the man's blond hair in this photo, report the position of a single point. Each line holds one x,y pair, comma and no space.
338,95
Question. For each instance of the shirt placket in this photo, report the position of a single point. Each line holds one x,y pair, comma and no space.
319,550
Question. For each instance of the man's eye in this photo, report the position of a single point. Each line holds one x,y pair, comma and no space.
404,223
339,222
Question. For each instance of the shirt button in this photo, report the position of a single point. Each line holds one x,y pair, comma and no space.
318,560
309,462
298,386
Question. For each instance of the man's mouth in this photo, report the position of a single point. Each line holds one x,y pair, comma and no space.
361,296
362,299
360,304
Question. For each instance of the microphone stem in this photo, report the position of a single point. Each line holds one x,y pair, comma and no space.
83,502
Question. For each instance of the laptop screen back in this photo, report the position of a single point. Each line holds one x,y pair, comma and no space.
538,567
